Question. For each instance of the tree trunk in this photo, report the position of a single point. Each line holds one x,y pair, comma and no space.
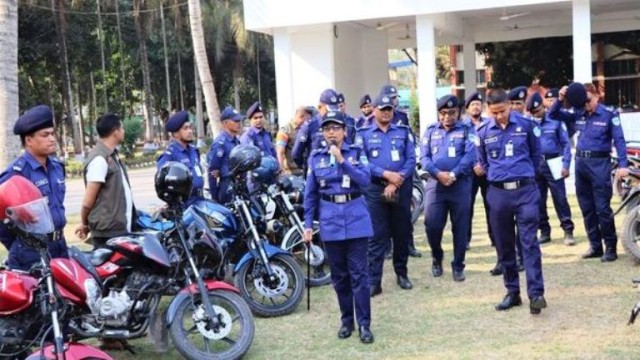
144,64
180,81
66,78
94,103
80,118
200,53
9,104
199,119
121,50
105,101
166,57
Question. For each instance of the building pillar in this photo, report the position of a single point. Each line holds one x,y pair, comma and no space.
425,37
469,59
581,19
284,83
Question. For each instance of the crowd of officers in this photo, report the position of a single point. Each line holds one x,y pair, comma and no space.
359,180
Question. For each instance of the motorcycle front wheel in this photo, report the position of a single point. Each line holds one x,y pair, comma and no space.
417,200
271,297
320,273
631,233
196,339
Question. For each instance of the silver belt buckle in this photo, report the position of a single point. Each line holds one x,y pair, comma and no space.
340,199
586,153
510,185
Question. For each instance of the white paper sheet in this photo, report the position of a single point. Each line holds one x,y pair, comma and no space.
555,165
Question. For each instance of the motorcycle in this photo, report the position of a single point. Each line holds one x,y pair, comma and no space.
631,226
420,178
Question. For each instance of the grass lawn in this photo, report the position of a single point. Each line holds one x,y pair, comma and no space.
589,305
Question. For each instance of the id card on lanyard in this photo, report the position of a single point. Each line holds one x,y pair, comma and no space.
508,149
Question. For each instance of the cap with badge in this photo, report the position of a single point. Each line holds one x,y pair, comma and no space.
475,96
518,94
329,97
365,100
229,113
576,95
551,93
37,118
535,101
253,109
336,117
389,90
341,98
447,102
383,101
176,121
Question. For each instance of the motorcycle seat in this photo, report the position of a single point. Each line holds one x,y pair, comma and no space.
98,256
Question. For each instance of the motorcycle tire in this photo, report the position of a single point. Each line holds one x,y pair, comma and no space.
235,316
320,273
632,204
261,296
631,233
417,201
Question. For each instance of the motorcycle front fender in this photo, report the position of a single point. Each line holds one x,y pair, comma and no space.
193,289
268,248
635,192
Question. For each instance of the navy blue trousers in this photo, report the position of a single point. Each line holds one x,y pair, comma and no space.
350,279
546,183
511,210
441,201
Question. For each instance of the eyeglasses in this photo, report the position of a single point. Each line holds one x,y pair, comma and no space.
329,128
450,112
388,108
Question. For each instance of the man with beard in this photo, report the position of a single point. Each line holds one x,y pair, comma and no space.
366,109
181,149
257,135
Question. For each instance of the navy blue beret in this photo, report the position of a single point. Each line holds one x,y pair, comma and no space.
448,102
341,98
255,108
229,113
475,96
329,97
176,121
383,101
535,101
551,93
366,99
37,118
576,95
389,90
518,94
337,117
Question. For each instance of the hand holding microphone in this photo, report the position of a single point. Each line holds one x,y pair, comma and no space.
334,150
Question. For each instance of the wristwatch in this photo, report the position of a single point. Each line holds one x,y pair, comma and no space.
452,175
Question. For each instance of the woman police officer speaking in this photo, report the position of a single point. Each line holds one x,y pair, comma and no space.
336,178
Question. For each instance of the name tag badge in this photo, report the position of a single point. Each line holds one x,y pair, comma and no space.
346,181
508,149
198,171
451,151
395,155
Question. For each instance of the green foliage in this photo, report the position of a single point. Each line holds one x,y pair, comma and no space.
414,117
74,168
133,129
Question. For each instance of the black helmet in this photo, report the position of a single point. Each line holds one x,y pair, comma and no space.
266,172
174,182
244,158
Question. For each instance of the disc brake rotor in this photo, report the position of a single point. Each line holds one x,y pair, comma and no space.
224,322
317,255
272,288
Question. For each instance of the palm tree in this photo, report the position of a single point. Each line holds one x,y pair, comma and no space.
141,30
9,81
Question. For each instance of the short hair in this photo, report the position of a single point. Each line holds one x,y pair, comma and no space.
589,87
497,96
107,124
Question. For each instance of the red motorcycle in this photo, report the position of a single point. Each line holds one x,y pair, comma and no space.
26,298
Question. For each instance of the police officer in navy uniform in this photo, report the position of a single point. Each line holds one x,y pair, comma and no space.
366,110
218,155
181,149
448,154
38,164
257,135
509,151
310,136
392,159
596,128
518,97
550,96
554,144
337,176
350,122
399,117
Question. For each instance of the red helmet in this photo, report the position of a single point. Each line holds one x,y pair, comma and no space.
15,192
23,202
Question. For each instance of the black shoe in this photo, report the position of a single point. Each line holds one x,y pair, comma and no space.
609,255
436,269
509,301
536,304
404,282
497,270
458,275
544,238
375,290
414,253
520,266
345,331
592,254
366,336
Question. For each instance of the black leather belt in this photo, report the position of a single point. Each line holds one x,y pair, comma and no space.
593,154
197,192
56,235
379,181
550,156
511,185
340,199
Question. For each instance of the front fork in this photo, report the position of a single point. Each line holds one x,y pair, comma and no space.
53,301
256,243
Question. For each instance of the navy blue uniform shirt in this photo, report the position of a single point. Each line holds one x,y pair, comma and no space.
218,159
189,156
450,151
393,150
554,139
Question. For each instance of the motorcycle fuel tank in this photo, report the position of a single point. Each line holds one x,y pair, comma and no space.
219,218
16,291
70,278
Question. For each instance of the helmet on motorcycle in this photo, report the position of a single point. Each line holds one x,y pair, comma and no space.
266,172
23,203
174,183
244,158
